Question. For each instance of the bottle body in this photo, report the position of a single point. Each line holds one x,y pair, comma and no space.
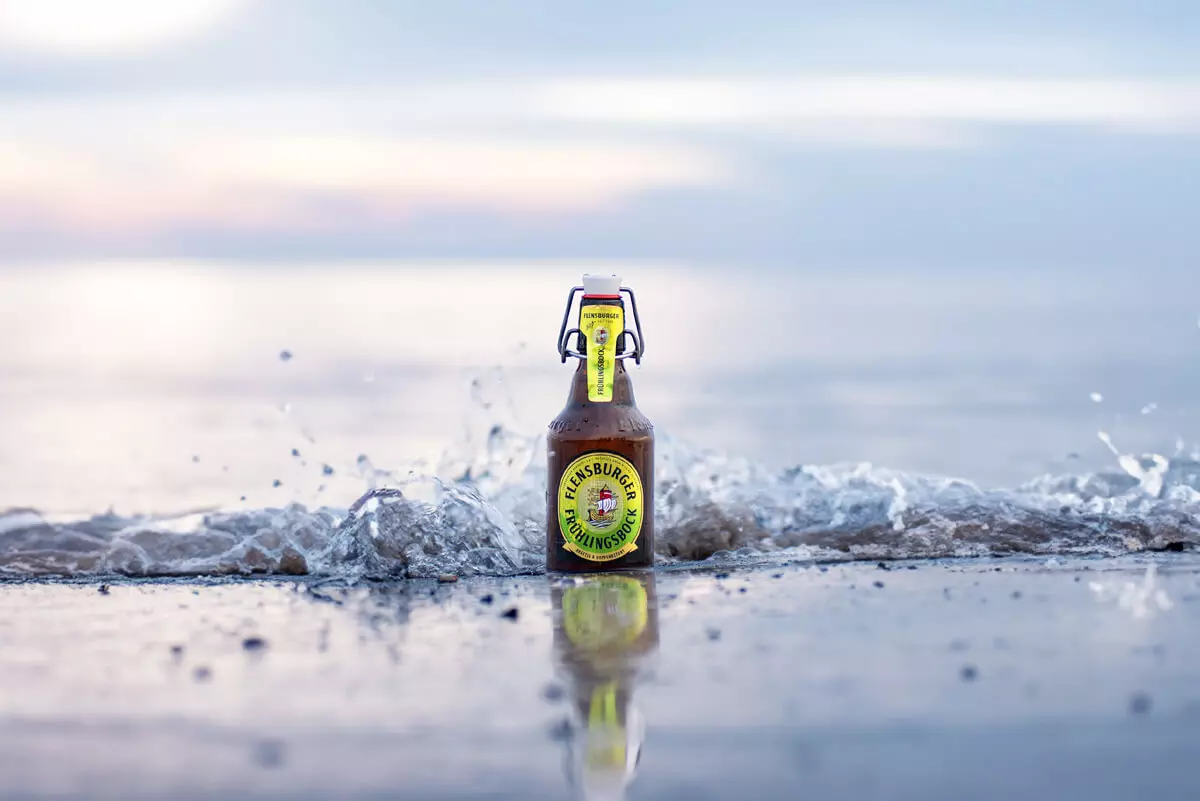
600,481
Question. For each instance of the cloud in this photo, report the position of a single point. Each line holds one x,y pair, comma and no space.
91,28
808,102
140,164
242,181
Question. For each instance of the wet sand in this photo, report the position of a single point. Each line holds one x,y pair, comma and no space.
958,679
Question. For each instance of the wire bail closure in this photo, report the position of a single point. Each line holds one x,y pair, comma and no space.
565,334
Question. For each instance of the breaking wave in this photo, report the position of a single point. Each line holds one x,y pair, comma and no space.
485,515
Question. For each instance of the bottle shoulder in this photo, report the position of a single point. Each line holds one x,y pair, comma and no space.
592,420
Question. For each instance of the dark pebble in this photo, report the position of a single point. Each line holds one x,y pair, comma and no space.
486,599
177,651
1077,579
296,452
720,575
560,732
1139,704
879,584
276,483
1175,546
285,355
254,643
511,613
103,589
447,578
776,575
714,634
824,570
912,567
1016,594
883,566
269,753
195,460
553,692
968,673
741,589
243,497
327,470
201,674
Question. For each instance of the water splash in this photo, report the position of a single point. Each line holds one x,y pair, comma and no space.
482,512
1140,600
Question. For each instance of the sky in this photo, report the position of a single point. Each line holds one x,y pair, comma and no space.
1024,134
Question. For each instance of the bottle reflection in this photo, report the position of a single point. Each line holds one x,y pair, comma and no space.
605,631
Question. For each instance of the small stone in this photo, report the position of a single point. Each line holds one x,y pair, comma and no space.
720,575
1139,704
487,599
512,613
912,567
276,483
296,452
741,589
879,584
969,673
293,563
177,651
776,575
882,566
714,634
201,674
553,692
1016,595
269,753
327,470
447,578
560,732
254,644
102,589
195,460
285,355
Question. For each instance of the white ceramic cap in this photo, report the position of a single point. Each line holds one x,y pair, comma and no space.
602,285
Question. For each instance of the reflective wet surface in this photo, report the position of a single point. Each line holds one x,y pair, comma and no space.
981,679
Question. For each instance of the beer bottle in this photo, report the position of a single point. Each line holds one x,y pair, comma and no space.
605,634
600,448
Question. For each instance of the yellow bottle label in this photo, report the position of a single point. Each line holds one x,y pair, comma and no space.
601,325
600,506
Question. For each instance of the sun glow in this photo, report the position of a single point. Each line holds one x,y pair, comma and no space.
97,27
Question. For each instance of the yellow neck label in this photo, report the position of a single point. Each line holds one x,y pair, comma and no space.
601,325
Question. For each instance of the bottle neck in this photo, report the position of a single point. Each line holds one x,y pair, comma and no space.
589,302
622,387
601,378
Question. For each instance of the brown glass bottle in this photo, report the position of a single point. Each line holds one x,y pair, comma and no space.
591,446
